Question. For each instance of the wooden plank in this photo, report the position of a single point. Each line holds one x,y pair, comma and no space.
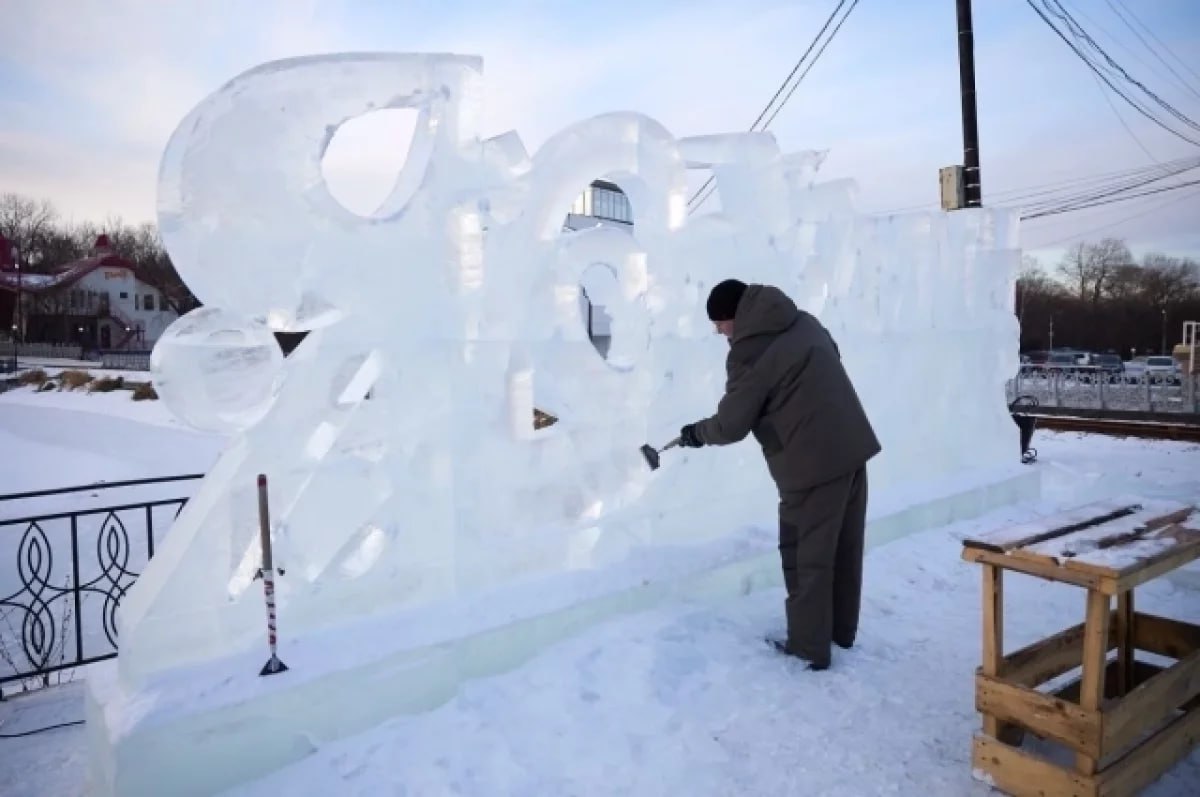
1047,716
1080,578
1162,562
1142,671
1125,649
1165,636
1096,635
1018,773
1037,663
1149,760
1151,703
1044,528
1152,516
1134,555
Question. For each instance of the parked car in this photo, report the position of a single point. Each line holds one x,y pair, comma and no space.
1107,366
1164,369
1062,361
1158,369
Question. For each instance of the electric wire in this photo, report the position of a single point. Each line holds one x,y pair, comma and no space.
1183,81
697,200
1106,79
1172,77
1069,201
1095,182
1109,201
1107,226
1078,32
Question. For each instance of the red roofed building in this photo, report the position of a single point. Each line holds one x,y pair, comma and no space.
97,302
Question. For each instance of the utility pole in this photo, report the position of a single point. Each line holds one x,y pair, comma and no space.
18,325
972,187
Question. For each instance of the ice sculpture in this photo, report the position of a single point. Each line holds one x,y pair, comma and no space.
399,435
406,472
217,371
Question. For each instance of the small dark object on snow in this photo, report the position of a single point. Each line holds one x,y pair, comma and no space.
651,455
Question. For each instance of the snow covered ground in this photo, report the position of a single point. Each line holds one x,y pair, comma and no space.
72,437
683,698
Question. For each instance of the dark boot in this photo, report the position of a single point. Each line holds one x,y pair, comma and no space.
782,647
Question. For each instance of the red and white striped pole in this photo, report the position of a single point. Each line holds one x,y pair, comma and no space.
273,664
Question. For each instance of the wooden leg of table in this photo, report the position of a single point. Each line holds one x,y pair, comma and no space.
1095,661
1125,646
993,648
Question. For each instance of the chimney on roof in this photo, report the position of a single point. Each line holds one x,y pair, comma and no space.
102,246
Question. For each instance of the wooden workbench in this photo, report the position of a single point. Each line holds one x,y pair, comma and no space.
1126,720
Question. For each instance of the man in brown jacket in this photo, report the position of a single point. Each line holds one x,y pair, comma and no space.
786,385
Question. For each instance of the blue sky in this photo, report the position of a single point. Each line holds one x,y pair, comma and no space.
90,90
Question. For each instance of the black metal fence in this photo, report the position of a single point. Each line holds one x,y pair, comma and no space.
63,574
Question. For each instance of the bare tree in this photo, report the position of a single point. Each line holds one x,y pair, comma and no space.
1090,267
26,222
1124,283
1168,280
1033,281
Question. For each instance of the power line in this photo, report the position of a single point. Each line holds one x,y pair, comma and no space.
1102,181
813,44
795,69
1161,43
1078,32
1109,225
1135,51
1067,202
1121,119
1106,80
1110,201
816,58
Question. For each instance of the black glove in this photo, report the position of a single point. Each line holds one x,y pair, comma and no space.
688,437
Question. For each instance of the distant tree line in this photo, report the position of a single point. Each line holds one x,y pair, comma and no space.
45,241
1099,298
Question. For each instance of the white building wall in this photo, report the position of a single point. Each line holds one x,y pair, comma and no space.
132,301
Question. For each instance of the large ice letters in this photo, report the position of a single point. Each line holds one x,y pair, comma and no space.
399,439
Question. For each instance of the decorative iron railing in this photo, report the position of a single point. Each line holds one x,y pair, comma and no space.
63,575
1098,389
124,360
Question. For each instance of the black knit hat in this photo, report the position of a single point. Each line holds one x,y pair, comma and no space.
724,298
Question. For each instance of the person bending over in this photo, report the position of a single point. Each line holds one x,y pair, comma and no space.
785,384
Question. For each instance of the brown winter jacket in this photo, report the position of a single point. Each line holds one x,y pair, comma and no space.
785,383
